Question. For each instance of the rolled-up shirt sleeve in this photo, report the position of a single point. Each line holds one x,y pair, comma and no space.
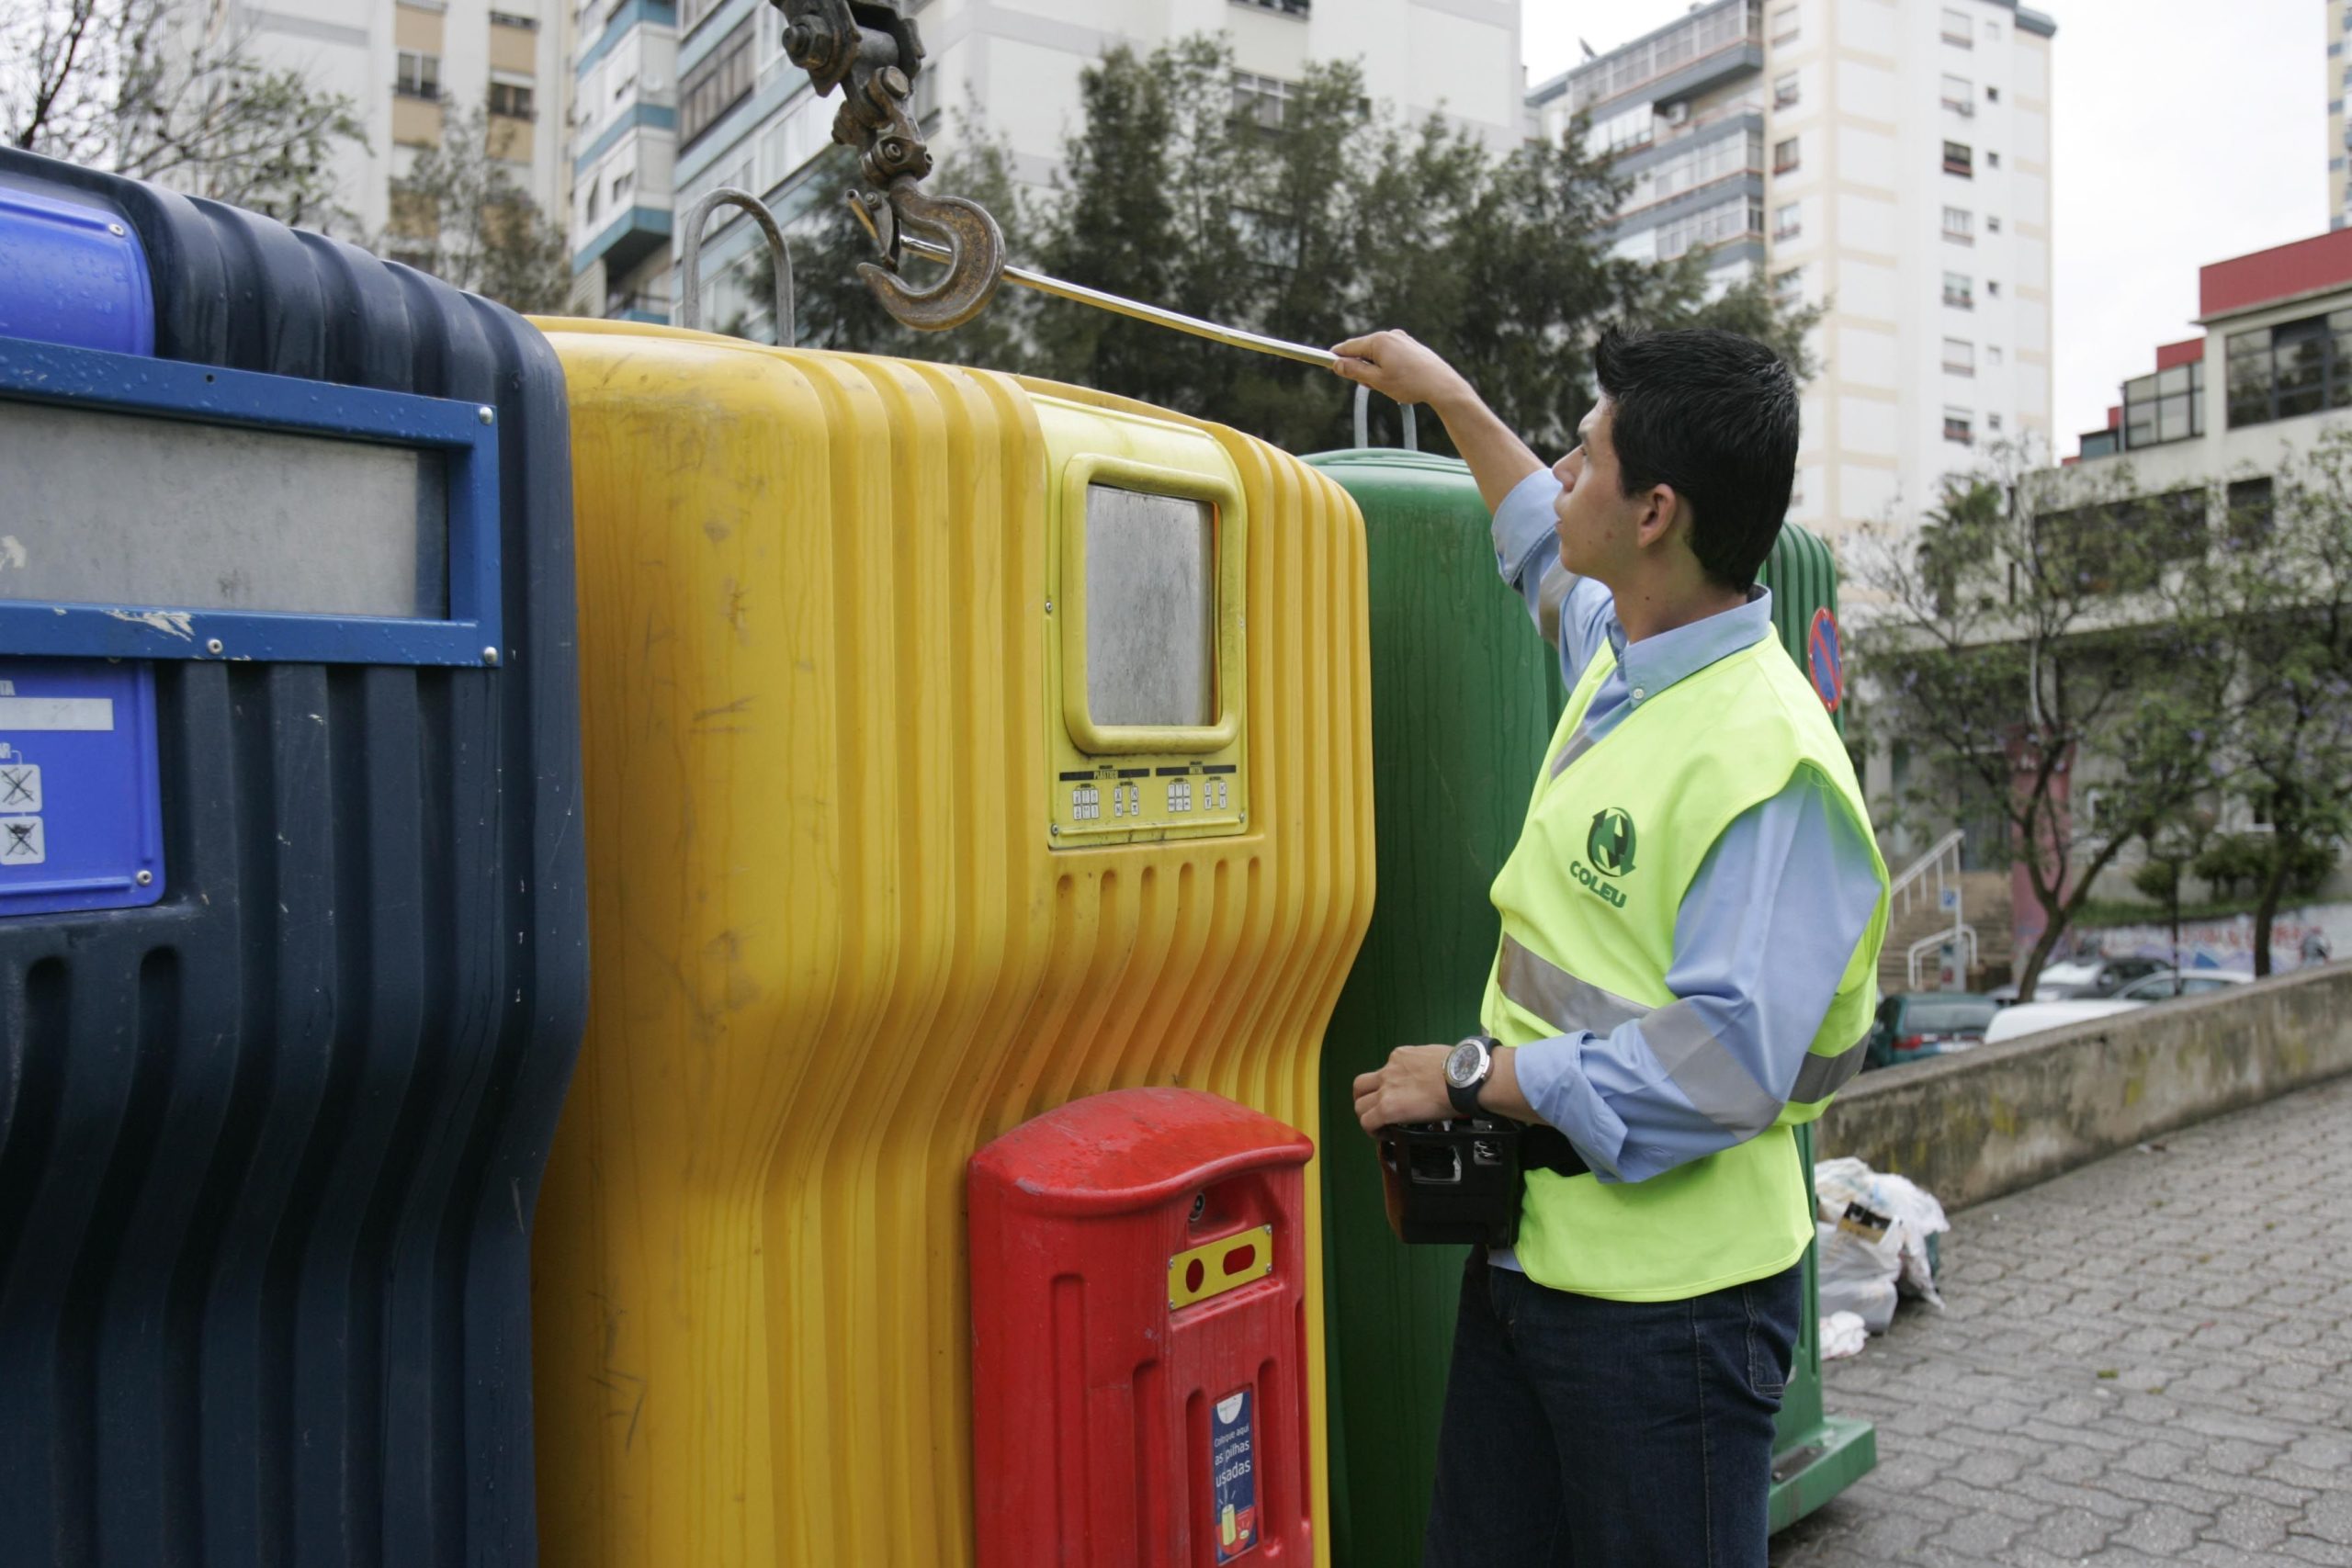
1571,612
1761,941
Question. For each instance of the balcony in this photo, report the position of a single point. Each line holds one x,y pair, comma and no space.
1713,42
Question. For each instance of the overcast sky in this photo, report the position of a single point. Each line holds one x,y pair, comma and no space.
2184,133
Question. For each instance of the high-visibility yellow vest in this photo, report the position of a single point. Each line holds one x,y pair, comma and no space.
1616,830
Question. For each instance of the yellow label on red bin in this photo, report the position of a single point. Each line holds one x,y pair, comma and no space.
1213,1267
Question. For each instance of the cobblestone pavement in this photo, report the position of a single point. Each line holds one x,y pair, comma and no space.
2148,1361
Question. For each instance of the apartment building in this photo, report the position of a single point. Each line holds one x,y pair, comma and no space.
2339,78
409,64
624,124
1888,160
745,116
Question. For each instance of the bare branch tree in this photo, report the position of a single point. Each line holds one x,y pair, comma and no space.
459,214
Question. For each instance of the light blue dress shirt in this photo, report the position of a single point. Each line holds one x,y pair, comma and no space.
1766,928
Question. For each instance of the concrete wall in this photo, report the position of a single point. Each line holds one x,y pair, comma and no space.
1976,1125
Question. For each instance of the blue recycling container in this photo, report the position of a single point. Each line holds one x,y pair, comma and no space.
291,924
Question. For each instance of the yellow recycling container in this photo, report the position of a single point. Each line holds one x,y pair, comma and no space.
956,746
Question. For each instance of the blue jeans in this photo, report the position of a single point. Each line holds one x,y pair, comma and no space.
1583,1433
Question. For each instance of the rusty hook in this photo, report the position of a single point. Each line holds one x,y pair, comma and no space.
975,261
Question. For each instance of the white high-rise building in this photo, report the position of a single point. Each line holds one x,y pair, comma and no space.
1890,160
2339,74
407,64
745,116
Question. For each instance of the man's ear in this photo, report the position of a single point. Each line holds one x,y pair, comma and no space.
1662,509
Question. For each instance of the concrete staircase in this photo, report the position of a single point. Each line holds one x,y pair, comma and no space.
1918,914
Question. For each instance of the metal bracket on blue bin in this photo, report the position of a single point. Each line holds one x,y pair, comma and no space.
464,435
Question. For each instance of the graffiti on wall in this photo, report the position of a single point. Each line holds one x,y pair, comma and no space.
2313,934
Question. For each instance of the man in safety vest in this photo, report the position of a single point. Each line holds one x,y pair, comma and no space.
1690,929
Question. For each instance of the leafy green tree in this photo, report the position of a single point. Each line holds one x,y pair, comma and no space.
2285,574
461,215
160,90
2051,644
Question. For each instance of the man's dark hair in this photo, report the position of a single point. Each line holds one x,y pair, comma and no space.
1713,414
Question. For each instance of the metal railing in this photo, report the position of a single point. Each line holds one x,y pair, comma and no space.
1937,874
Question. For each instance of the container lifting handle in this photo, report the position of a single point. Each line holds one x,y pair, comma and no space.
1363,421
690,260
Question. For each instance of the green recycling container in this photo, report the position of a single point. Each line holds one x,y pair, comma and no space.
1464,697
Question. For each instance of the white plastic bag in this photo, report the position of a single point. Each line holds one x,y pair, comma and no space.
1912,1215
1843,1334
1860,1258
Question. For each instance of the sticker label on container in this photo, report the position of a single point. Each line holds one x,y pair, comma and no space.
1233,1462
81,799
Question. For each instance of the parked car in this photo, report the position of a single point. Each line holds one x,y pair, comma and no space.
2032,1018
2164,987
2089,978
1915,1025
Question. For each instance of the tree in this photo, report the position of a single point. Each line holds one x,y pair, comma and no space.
1309,217
2286,579
461,216
2051,643
155,90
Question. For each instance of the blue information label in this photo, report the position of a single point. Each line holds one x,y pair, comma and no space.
81,798
1233,1460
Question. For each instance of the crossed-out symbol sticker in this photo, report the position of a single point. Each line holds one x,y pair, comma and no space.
21,843
19,786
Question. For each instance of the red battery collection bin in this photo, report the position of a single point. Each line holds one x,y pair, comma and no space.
1139,1335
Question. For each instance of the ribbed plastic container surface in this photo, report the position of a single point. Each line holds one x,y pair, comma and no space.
836,950
269,1149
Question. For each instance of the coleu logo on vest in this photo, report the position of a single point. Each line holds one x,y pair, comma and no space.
1609,844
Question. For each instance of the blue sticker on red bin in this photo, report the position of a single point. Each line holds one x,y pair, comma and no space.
1233,1462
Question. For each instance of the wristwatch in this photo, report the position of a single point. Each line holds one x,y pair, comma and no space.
1467,1068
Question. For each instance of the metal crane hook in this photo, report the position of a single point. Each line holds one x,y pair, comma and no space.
690,260
973,243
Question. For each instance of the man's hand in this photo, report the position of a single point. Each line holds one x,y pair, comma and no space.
1392,362
1411,1088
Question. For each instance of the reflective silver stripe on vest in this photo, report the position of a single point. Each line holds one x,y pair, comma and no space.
1822,1077
1579,744
1558,998
1701,1067
1550,593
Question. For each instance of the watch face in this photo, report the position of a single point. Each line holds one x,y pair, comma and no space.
1461,1064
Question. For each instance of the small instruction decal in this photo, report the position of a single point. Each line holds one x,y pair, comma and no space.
1233,1462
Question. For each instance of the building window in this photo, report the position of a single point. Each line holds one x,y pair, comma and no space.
1960,357
692,14
1628,127
1992,354
1991,288
1739,218
1992,160
1959,159
1992,94
1266,99
1959,96
2250,511
1959,291
623,183
1960,425
512,99
1788,221
1785,25
1993,423
419,75
2166,406
2292,369
1784,155
1785,91
1700,165
721,81
1956,28
1992,224
1280,8
1788,287
1960,226
509,20
1993,31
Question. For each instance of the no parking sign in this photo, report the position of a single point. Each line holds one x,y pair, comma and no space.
1825,659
